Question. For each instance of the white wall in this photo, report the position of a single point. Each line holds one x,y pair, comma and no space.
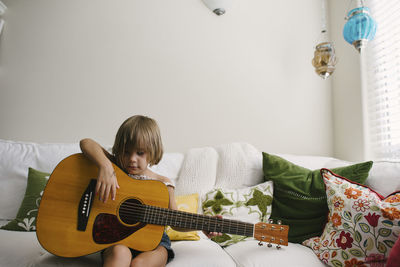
346,88
74,69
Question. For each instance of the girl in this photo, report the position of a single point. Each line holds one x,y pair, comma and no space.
137,145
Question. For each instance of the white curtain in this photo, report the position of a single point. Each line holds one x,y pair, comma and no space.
381,82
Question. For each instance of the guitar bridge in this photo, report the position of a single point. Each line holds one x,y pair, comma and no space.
85,205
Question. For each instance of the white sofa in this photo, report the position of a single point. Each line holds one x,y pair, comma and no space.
197,171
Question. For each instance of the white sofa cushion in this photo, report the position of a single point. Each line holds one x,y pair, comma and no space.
169,165
384,177
239,166
16,158
199,254
235,165
23,249
19,248
249,253
198,171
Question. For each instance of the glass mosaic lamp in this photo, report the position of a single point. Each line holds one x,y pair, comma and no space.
359,28
324,60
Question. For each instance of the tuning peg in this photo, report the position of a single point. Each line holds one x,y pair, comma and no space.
269,245
278,247
260,244
279,222
270,221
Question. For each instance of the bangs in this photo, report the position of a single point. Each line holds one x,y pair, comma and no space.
138,134
136,141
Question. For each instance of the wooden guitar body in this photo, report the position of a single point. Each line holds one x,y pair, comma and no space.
72,222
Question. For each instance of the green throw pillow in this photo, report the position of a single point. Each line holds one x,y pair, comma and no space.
299,194
26,216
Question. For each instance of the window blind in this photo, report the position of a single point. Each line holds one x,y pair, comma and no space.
381,86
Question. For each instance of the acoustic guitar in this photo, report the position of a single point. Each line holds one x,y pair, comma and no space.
72,222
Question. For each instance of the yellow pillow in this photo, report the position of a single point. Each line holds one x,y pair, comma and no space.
186,203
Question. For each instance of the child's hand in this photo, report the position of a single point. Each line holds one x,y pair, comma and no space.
106,184
212,234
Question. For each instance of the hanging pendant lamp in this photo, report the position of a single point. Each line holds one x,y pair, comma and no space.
324,60
219,7
360,27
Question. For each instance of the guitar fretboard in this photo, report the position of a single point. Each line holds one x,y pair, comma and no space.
161,216
186,220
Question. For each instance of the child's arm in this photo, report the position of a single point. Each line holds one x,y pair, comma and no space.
172,202
173,206
106,181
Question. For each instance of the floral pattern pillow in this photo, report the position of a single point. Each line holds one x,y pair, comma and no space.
362,226
252,205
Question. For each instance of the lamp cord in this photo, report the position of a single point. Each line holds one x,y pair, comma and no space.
361,3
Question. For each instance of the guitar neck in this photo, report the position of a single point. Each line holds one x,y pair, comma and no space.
186,220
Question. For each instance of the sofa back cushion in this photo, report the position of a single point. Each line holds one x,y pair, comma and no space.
239,166
384,177
235,165
16,158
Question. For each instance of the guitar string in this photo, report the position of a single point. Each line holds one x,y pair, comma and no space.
246,231
187,214
240,226
185,221
272,238
186,218
184,215
209,227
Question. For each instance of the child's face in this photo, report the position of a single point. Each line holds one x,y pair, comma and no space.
135,161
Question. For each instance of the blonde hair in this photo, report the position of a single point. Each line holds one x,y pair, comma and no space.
139,133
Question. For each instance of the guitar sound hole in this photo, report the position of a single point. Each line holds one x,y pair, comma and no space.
131,211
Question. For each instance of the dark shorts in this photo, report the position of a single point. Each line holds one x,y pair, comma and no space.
165,242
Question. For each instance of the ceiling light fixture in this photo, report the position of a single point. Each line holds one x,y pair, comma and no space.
219,7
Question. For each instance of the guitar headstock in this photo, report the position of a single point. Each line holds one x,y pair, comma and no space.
271,233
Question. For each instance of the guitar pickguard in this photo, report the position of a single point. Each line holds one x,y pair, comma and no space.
108,229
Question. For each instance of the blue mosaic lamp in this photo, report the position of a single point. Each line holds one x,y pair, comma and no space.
360,27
